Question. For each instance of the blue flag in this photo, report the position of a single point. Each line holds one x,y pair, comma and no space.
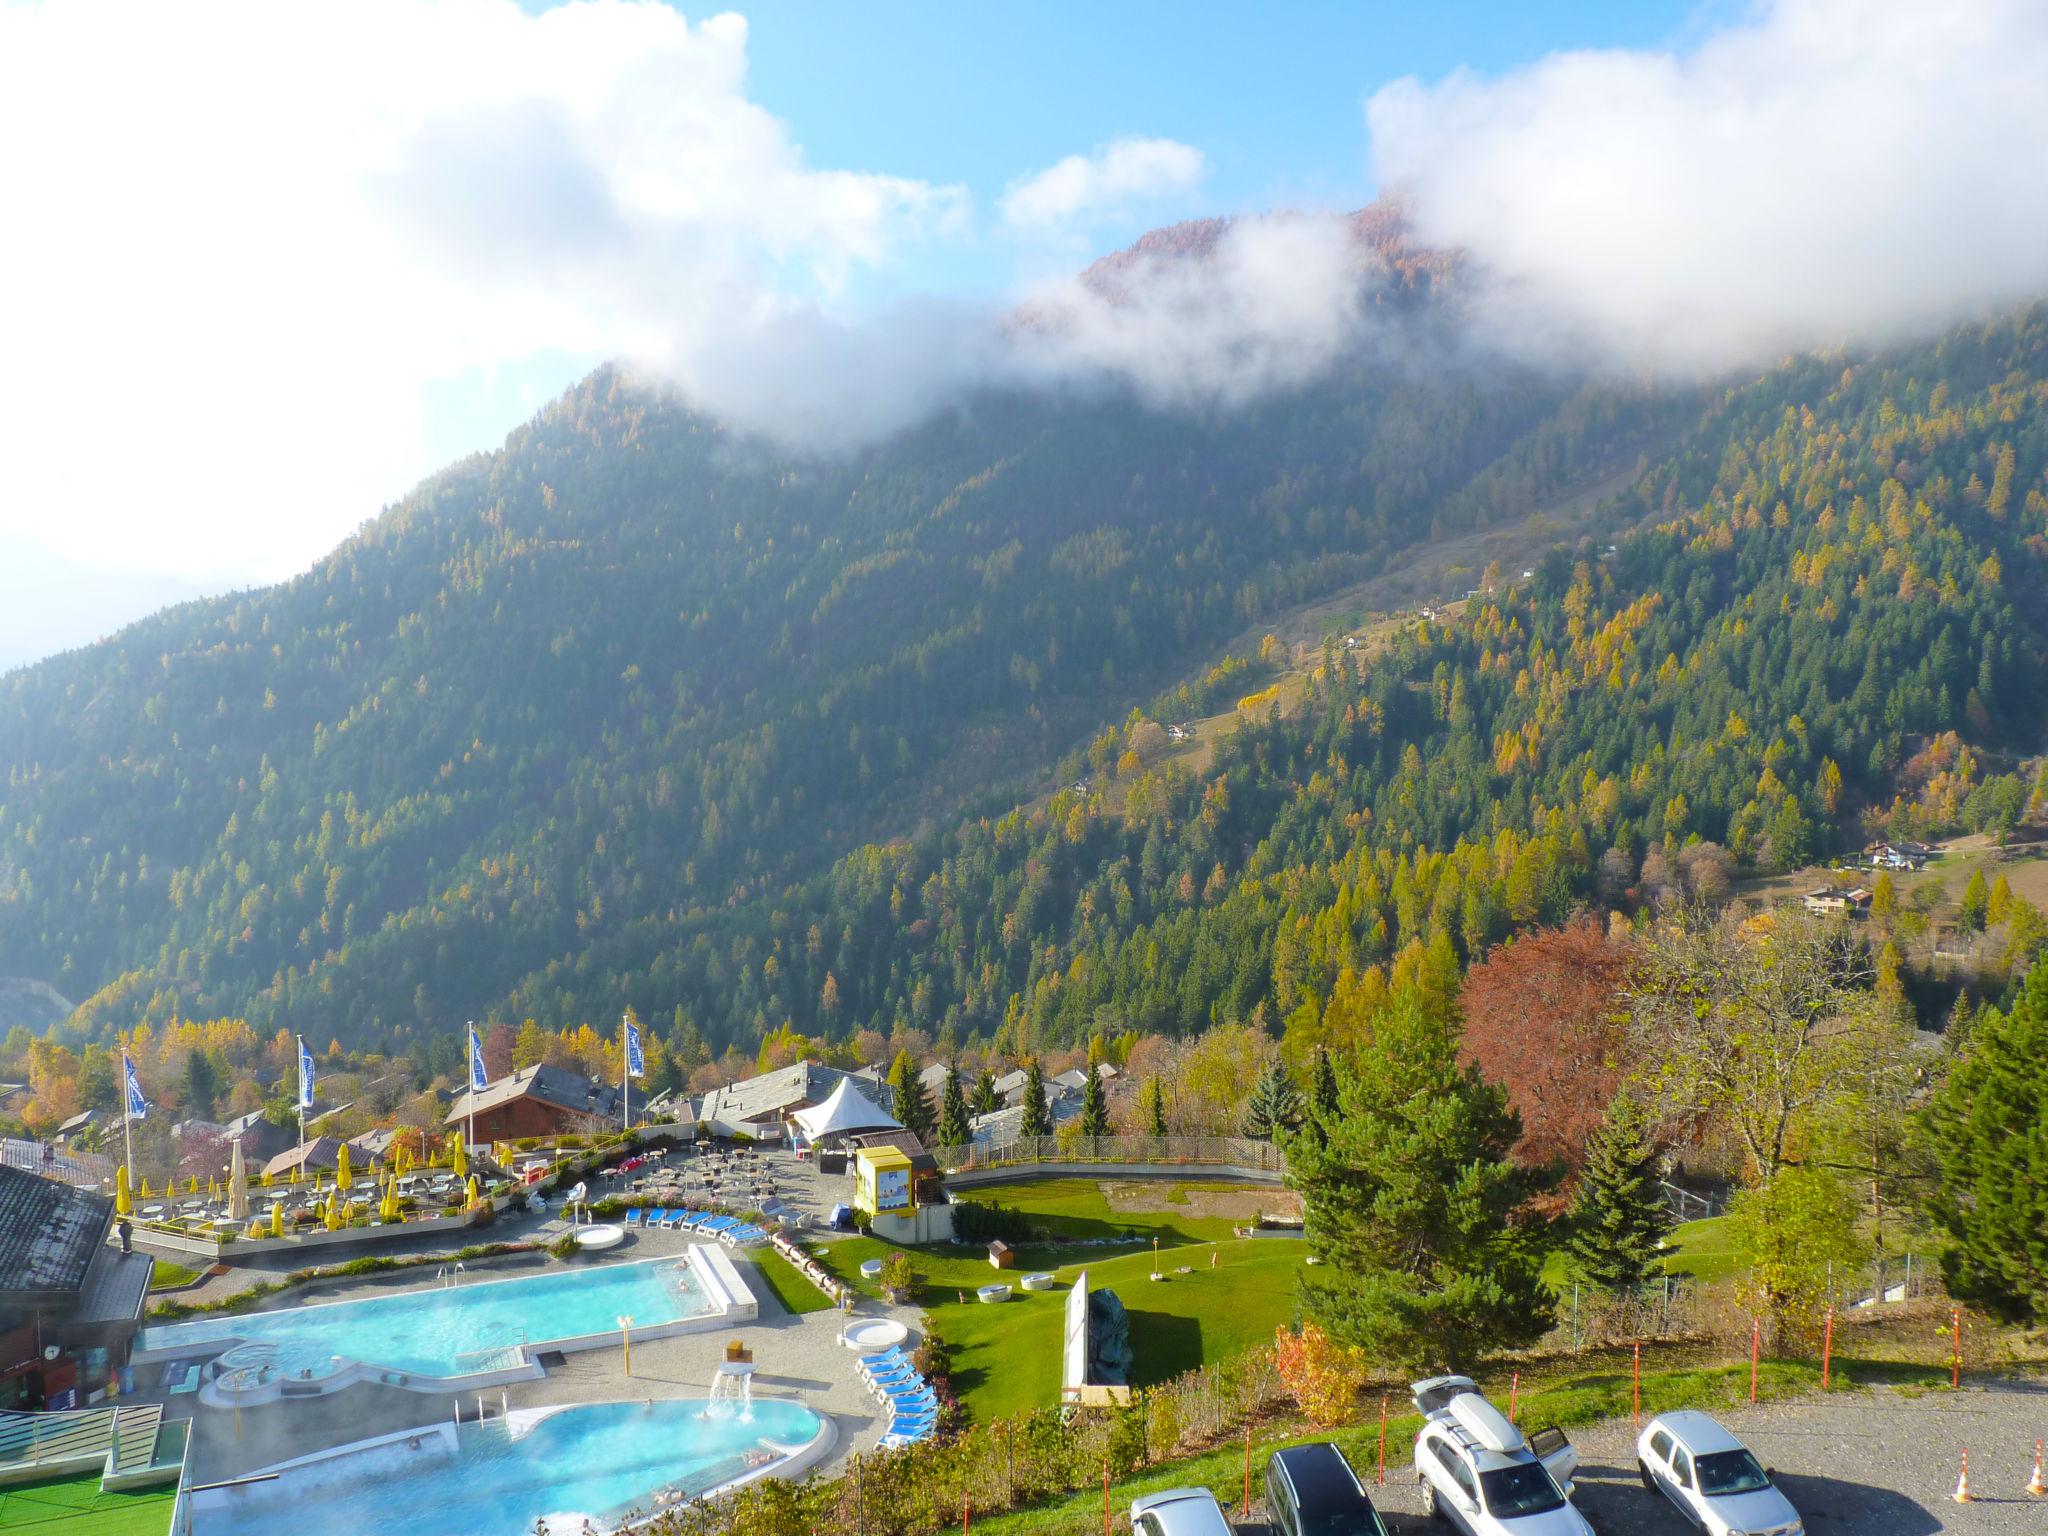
479,1079
305,1074
138,1106
636,1060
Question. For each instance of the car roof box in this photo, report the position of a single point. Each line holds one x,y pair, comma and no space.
1437,1391
1485,1423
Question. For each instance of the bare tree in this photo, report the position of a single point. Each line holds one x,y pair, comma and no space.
1750,1025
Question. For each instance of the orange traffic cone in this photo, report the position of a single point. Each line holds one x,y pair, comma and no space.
1962,1494
2037,1487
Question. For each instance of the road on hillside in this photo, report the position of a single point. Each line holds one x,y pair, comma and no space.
1880,1463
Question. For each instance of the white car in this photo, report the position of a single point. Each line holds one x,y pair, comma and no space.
1712,1478
1178,1512
1482,1475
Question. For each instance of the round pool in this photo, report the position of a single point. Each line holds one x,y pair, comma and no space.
596,1239
871,1269
1042,1281
873,1334
994,1293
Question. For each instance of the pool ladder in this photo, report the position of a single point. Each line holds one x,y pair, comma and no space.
450,1274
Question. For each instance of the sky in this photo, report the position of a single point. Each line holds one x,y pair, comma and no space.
270,264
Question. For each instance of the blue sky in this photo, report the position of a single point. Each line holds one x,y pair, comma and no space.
1273,94
299,256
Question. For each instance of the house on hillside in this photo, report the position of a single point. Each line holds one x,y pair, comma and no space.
1833,903
260,1140
320,1155
539,1101
1010,1087
1899,855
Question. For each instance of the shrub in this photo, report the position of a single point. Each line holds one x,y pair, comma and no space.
1323,1376
974,1222
563,1247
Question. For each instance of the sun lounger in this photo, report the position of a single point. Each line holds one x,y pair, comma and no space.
634,1217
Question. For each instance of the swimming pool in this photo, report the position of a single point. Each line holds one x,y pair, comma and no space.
598,1461
475,1330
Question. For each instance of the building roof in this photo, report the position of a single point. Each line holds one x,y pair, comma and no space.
933,1077
1012,1082
772,1094
116,1288
49,1233
845,1112
321,1152
905,1142
78,1122
375,1143
1074,1077
554,1086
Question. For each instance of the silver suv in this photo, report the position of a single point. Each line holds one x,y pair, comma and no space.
1483,1475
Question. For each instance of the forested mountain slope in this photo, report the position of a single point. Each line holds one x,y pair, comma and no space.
559,730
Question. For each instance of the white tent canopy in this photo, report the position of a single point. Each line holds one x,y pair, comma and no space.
845,1113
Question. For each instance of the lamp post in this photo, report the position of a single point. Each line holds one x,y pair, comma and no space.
626,1339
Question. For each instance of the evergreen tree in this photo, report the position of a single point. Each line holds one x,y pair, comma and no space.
911,1106
1155,1108
1037,1116
1094,1106
1987,1131
1618,1217
1976,904
984,1101
1322,1093
1411,1201
953,1131
202,1082
1274,1107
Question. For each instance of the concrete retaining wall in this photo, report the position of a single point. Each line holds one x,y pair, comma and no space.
1018,1173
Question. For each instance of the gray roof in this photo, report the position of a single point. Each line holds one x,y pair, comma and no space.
1012,1082
117,1288
1073,1078
933,1077
49,1233
78,1122
548,1085
772,1093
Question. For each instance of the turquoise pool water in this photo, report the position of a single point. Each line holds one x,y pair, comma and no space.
599,1461
474,1326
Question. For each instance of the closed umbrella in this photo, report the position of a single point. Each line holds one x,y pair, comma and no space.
238,1186
124,1202
343,1175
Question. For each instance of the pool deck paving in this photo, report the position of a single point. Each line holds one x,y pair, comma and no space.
797,1357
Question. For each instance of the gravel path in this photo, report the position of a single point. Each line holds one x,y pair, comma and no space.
1875,1463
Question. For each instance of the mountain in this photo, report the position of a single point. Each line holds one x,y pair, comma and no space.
637,711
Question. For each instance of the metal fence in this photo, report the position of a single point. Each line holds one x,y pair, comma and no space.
1210,1151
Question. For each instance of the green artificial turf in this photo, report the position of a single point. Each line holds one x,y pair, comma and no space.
790,1288
1076,1210
75,1506
1006,1357
167,1273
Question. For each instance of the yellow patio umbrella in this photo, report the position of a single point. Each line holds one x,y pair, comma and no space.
145,1187
298,1173
277,1219
344,1175
213,1189
333,1215
475,1190
124,1202
461,1157
389,1211
264,1178
192,1185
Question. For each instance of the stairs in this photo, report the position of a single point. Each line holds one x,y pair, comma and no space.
127,1433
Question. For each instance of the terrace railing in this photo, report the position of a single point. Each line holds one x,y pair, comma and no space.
1236,1152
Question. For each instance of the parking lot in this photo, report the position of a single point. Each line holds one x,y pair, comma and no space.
1878,1463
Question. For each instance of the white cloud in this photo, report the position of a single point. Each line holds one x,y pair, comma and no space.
1110,181
1276,302
247,241
1825,171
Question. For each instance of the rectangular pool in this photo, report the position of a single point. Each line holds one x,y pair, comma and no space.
478,1325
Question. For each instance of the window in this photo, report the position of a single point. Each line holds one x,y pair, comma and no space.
1660,1447
1524,1489
1681,1466
1727,1472
1148,1525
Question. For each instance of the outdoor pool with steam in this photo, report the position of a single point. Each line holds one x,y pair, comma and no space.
599,1462
460,1333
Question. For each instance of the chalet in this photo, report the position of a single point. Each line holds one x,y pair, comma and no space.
1898,855
1829,902
260,1139
320,1155
1010,1086
540,1100
1074,1080
933,1080
760,1107
372,1144
70,1301
78,1124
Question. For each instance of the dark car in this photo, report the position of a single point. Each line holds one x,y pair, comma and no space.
1312,1491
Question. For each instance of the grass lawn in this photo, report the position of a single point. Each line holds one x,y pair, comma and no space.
1076,1210
1006,1358
75,1506
167,1273
791,1289
1701,1249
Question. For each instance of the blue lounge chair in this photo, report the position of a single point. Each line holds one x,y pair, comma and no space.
896,1439
910,1392
635,1216
891,1356
717,1224
895,1370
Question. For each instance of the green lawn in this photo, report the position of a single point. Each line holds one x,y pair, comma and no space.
75,1506
791,1289
1701,1249
1077,1210
1006,1358
166,1273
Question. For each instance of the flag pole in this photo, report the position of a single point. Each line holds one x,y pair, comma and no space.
302,1103
471,1133
128,1116
625,1077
